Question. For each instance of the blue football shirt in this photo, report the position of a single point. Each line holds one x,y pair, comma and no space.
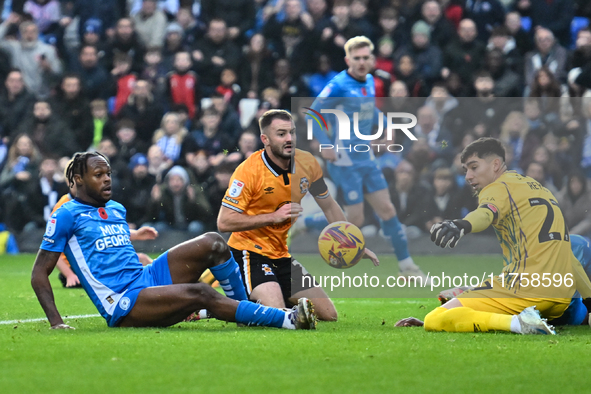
97,244
349,95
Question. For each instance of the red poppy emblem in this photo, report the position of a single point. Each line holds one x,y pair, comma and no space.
364,91
103,213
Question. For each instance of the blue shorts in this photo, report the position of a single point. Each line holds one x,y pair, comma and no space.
155,274
573,315
355,181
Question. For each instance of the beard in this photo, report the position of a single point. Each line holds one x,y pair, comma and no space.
278,151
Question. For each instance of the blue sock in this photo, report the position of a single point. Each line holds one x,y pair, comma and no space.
393,229
253,314
228,274
316,221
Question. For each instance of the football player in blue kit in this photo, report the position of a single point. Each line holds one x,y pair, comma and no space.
91,230
355,172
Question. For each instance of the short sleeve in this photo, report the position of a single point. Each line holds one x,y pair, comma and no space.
239,193
318,187
58,231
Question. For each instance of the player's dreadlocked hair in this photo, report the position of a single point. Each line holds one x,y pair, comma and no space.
78,164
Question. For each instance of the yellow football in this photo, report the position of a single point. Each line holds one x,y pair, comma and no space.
341,244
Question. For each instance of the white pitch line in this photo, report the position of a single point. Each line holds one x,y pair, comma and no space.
4,322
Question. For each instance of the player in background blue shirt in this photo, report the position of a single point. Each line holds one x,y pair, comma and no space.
356,173
91,230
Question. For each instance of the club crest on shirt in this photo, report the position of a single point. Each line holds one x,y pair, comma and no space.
236,188
304,185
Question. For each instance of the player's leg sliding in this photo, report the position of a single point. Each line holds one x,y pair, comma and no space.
301,317
464,319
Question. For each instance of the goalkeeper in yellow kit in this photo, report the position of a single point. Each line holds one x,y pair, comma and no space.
540,269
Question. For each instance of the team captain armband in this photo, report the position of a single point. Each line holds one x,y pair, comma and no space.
482,217
319,188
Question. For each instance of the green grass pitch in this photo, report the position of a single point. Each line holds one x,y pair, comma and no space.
363,352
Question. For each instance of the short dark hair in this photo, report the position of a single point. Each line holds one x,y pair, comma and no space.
483,147
78,164
267,118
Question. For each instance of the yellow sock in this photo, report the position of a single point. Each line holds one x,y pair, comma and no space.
466,320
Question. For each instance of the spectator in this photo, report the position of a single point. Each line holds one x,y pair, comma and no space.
210,139
193,30
124,80
502,40
465,55
230,121
553,174
507,82
359,16
405,72
15,103
72,107
390,27
105,11
136,188
173,43
127,141
37,61
178,205
157,163
523,41
440,100
547,53
289,36
49,134
515,133
408,195
45,13
96,82
256,73
443,202
199,167
429,127
288,85
103,125
440,29
318,10
575,202
125,42
170,7
218,184
238,15
213,53
229,87
486,14
334,35
384,59
154,71
150,24
183,87
23,161
108,148
554,15
581,56
547,88
43,191
426,56
170,136
321,77
142,109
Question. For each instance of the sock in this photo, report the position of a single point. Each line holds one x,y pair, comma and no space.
253,314
466,320
393,229
316,221
228,274
515,325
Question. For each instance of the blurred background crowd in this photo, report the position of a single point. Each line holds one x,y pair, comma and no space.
170,91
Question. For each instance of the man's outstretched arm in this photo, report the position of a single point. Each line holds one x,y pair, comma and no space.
232,221
44,264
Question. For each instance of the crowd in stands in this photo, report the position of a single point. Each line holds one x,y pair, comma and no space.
159,87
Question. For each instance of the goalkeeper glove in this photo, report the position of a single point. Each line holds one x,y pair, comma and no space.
448,232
